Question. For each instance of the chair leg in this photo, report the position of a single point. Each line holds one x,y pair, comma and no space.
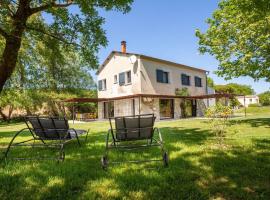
87,135
10,143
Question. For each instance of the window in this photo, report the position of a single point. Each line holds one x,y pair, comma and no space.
122,78
198,81
115,78
162,77
102,85
250,100
125,78
185,79
128,76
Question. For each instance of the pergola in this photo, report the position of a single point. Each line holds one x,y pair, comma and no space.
140,96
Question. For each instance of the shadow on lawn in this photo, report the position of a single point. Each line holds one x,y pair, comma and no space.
237,173
253,122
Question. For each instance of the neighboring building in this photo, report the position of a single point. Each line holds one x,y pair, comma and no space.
247,100
128,74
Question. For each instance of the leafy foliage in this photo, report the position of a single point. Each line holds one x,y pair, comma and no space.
238,37
70,38
219,115
234,88
265,98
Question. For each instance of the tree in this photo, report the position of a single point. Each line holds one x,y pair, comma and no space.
265,98
22,18
234,88
238,37
210,82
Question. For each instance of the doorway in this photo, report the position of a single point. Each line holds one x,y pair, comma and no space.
108,109
166,108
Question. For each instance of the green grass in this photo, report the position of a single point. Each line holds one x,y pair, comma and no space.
199,168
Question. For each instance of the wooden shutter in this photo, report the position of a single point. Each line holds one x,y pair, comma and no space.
159,76
122,78
100,85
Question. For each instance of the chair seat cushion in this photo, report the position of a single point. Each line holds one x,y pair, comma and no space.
78,131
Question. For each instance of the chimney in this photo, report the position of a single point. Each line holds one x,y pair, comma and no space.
124,47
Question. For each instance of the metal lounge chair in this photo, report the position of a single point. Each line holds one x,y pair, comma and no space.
50,131
133,128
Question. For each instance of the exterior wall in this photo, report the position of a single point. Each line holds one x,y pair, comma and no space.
121,108
249,100
143,81
151,86
116,65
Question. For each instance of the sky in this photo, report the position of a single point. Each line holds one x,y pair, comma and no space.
166,29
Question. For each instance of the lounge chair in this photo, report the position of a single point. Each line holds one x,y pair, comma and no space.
129,130
50,131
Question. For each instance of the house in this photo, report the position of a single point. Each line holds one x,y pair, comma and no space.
141,84
247,100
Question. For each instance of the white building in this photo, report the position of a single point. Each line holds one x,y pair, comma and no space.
247,100
140,84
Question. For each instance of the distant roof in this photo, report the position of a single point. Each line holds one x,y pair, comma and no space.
147,58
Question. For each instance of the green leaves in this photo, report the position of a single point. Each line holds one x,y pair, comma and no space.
239,38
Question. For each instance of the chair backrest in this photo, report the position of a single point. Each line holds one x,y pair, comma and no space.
136,127
50,128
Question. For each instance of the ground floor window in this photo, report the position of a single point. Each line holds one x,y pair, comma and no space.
166,108
188,108
108,109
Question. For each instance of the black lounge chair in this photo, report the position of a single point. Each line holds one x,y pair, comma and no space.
130,129
50,131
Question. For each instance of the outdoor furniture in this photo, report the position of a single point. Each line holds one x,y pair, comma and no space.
128,131
51,132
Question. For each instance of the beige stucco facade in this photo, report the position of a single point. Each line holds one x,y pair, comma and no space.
144,81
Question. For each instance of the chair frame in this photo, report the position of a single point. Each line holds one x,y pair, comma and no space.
56,143
154,141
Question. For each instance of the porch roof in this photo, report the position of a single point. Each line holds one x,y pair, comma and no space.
207,96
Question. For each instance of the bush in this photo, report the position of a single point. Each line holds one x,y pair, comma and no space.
219,115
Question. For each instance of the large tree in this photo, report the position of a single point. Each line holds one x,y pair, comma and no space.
239,37
234,88
81,29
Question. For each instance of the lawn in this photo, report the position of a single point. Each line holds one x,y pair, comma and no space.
199,168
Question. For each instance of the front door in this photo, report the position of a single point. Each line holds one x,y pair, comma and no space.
194,108
166,108
108,109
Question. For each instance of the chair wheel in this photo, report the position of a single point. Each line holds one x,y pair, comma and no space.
165,157
104,162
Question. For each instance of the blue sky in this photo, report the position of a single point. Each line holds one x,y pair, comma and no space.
166,29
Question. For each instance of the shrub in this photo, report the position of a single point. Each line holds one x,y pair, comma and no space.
219,115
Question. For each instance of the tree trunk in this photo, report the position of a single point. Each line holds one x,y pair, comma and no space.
9,58
13,42
4,117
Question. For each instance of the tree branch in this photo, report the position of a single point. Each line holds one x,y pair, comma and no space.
53,36
51,5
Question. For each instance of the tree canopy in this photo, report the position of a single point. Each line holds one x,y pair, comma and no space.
238,36
265,98
26,38
234,88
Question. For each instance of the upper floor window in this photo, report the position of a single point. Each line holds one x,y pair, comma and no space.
115,78
102,85
185,79
125,78
128,76
162,76
198,81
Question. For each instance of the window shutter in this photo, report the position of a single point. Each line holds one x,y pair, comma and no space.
198,81
122,78
159,76
100,85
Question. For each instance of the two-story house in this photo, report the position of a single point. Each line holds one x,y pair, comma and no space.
140,84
